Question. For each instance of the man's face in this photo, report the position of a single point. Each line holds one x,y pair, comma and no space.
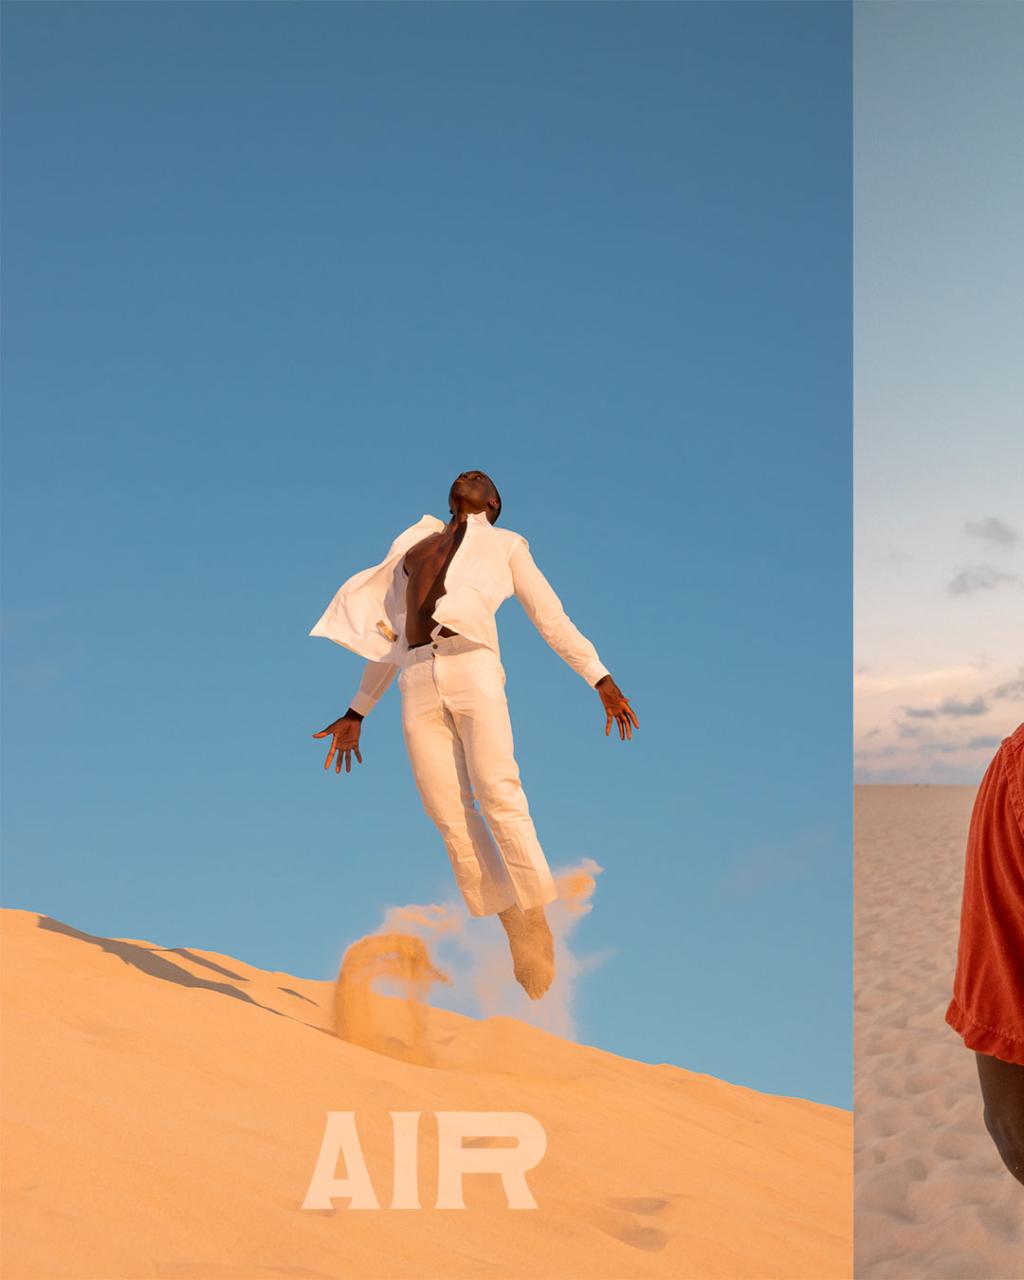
472,491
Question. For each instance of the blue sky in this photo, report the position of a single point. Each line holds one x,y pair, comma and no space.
274,275
939,311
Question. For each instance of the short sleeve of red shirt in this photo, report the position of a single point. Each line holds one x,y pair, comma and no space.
987,1008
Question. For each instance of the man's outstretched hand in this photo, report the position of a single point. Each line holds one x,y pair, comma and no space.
345,740
617,708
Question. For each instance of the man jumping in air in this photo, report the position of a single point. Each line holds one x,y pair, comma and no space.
426,613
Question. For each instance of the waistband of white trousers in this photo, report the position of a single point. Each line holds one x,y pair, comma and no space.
443,645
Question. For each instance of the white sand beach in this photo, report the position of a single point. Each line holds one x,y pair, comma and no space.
932,1198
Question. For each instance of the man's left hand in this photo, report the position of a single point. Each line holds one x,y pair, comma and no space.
617,708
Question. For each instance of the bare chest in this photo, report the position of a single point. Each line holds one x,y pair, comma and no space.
426,563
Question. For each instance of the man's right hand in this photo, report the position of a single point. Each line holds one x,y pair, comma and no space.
344,734
616,708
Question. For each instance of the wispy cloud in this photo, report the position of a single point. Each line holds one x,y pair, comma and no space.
919,750
993,530
1010,688
978,577
955,707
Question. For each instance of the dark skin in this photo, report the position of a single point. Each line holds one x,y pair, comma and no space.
426,564
1002,1090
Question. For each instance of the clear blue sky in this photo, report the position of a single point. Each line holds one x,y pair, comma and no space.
274,274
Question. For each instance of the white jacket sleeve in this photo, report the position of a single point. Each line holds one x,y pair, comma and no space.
375,680
545,611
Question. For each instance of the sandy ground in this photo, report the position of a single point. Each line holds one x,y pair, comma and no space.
933,1198
163,1110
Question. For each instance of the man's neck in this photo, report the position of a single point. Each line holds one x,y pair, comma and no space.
464,517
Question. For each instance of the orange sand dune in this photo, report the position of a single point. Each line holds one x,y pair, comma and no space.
163,1110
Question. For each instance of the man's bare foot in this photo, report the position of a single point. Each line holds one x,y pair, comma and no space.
532,947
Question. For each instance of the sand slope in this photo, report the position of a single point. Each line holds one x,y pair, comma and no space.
163,1110
932,1197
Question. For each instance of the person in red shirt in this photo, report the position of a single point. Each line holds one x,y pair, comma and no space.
987,1008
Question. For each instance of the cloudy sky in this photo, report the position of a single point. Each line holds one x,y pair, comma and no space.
939,388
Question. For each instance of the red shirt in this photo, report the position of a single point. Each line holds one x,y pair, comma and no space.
987,1007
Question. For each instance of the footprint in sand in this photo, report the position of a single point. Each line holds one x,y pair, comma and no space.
1000,1220
650,1239
957,1265
956,1145
889,1120
924,1081
638,1204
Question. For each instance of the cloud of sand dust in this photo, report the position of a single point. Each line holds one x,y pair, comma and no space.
474,953
395,1027
385,979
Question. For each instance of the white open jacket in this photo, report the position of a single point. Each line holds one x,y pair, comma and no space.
367,612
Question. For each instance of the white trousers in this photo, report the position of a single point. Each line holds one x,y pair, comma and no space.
458,735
